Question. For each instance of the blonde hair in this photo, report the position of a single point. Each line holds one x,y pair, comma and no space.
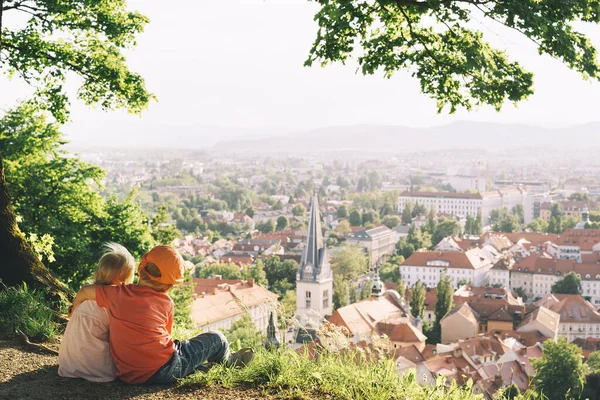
116,264
152,269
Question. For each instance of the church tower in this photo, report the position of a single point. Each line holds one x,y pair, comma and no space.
314,281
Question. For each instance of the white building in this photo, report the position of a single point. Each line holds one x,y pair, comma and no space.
533,204
499,274
536,275
463,183
463,204
574,243
427,266
578,318
314,281
379,242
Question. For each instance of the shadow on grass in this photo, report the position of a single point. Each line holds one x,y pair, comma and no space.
44,383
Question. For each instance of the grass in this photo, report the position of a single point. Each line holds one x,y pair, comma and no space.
27,310
348,375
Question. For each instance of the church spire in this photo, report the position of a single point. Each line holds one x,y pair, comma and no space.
314,261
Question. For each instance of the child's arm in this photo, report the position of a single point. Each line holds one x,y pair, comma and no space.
87,292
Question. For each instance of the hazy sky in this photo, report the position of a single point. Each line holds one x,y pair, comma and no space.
238,63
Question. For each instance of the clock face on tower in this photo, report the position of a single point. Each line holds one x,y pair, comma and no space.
308,269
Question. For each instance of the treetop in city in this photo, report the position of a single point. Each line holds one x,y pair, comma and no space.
438,43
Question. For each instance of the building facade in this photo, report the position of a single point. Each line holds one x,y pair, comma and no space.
464,204
578,318
427,266
379,242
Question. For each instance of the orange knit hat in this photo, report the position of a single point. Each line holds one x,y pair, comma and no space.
168,261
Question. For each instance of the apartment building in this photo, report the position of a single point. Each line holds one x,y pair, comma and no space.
427,266
463,204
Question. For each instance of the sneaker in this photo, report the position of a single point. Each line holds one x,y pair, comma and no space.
241,357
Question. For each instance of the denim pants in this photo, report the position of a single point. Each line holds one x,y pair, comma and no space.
190,354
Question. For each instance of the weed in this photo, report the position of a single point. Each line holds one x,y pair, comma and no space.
27,310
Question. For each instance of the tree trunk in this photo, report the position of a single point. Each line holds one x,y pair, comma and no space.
18,262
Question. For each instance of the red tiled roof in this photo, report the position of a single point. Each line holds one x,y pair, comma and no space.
455,259
586,239
217,299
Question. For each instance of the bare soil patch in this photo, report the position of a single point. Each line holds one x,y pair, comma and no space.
26,374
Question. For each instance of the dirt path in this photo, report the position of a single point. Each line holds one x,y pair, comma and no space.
33,375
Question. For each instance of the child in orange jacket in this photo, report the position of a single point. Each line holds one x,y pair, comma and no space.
141,322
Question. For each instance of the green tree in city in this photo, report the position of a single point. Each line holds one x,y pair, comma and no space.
349,262
281,276
473,225
432,222
417,299
448,227
556,210
386,210
250,212
570,283
391,221
257,272
244,333
444,293
419,209
438,43
226,271
407,213
366,291
362,185
519,212
343,228
370,217
282,223
555,225
267,226
342,212
521,293
43,42
341,292
162,232
538,225
299,210
560,373
593,362
389,272
355,218
374,180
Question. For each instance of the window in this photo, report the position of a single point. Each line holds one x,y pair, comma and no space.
325,298
308,303
308,295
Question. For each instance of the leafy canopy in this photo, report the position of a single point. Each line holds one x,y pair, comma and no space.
568,284
560,372
434,41
56,196
58,37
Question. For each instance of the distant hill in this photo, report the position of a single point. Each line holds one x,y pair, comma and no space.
459,135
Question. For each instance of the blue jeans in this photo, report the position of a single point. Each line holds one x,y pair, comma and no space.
190,354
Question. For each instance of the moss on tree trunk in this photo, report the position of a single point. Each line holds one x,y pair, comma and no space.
18,262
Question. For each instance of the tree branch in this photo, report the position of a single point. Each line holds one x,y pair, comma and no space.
73,67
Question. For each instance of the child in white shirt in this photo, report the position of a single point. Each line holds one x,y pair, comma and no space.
84,350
